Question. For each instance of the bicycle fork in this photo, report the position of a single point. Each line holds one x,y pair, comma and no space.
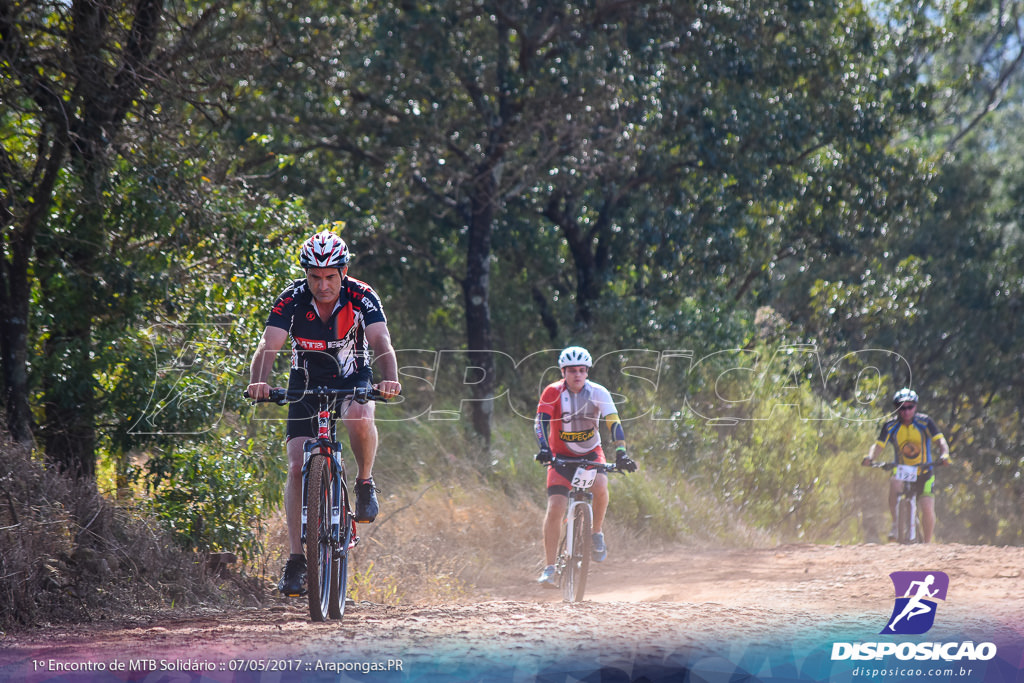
575,500
337,469
912,505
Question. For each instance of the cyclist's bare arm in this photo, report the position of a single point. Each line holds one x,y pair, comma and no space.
263,361
873,453
379,338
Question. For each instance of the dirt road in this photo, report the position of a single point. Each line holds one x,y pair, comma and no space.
708,614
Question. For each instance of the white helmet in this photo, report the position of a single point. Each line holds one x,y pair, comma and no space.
575,355
904,395
324,250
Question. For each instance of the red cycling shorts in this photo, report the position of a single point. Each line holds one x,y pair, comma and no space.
559,478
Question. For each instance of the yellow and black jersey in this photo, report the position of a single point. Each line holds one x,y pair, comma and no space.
912,442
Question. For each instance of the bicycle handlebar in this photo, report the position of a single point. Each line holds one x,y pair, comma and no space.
589,464
889,465
282,396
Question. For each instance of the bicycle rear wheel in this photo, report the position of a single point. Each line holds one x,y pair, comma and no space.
336,609
321,567
574,578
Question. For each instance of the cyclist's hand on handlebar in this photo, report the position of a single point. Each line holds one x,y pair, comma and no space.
258,391
388,388
544,456
361,393
624,462
944,460
867,461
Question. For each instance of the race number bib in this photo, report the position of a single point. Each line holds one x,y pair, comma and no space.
584,478
905,473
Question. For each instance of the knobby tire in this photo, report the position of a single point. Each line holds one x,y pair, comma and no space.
906,519
321,569
574,581
340,579
561,558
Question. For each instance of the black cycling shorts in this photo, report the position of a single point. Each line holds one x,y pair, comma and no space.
302,421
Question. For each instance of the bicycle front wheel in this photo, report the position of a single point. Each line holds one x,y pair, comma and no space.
905,524
574,578
321,569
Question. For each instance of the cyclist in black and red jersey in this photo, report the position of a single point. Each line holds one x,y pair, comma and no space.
337,328
568,424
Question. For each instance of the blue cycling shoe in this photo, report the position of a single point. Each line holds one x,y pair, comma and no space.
599,551
547,577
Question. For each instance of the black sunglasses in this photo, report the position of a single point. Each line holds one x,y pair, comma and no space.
908,407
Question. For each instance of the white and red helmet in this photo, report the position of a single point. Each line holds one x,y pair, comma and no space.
324,250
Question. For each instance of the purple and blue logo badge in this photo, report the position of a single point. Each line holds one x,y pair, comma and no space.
916,595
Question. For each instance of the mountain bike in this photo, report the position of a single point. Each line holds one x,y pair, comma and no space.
908,527
328,526
574,543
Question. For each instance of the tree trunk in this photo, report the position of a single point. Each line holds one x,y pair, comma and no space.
14,290
69,434
108,91
69,394
476,289
589,250
15,287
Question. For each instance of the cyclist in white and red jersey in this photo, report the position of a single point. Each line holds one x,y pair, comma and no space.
568,421
334,323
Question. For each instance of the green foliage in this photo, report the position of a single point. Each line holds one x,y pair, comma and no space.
213,496
786,469
721,182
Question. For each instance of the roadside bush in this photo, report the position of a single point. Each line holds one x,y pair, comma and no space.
67,554
214,495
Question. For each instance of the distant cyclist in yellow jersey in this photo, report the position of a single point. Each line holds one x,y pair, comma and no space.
916,440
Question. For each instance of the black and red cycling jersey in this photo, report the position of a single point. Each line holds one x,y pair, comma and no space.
331,349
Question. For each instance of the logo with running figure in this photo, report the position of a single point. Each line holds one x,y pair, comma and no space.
916,593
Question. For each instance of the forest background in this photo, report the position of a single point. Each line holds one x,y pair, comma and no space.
761,217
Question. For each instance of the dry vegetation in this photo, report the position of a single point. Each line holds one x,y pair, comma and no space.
433,543
70,555
438,543
67,554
